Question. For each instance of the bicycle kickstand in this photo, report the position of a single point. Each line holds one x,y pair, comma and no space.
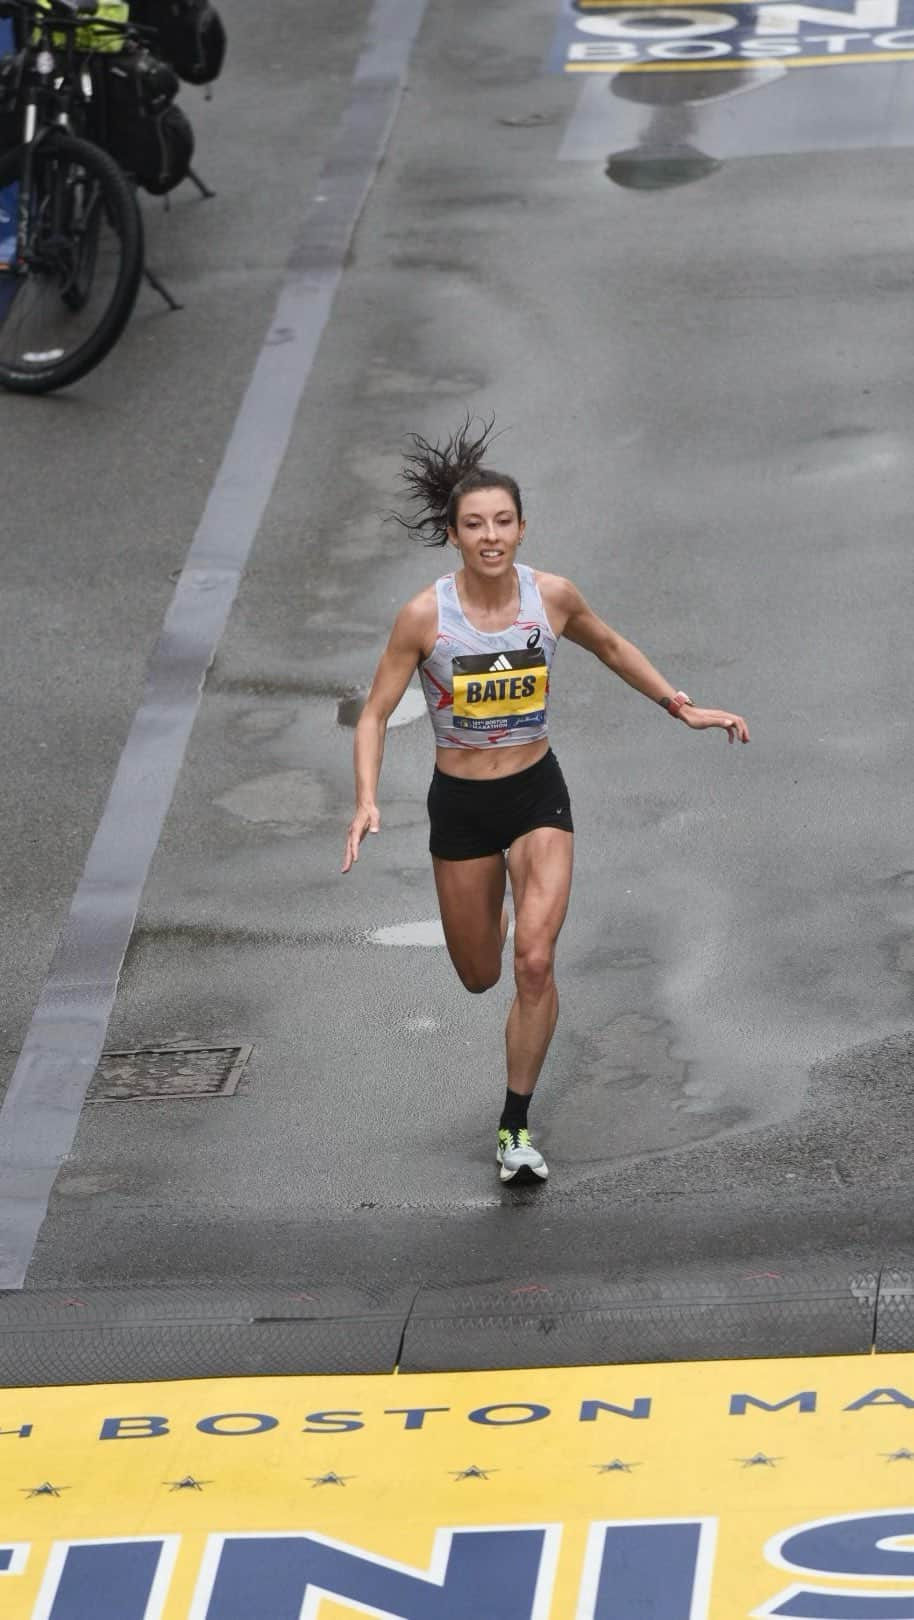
201,185
160,287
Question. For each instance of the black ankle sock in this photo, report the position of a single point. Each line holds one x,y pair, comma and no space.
514,1113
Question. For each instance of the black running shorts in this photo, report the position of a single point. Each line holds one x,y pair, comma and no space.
473,818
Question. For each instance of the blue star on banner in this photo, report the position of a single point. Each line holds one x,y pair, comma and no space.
473,1472
43,1490
329,1479
617,1466
758,1461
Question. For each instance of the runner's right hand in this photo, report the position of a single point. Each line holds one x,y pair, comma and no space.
366,819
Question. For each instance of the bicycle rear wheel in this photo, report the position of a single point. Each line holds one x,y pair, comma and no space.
64,304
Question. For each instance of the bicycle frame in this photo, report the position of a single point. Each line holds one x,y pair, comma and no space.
56,78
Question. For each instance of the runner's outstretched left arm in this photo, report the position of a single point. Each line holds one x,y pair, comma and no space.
577,621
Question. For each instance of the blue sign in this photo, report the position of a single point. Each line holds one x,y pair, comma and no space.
7,199
630,36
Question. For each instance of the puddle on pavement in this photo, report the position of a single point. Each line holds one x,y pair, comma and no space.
651,131
410,707
349,708
290,800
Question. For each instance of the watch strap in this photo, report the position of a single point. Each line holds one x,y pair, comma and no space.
675,703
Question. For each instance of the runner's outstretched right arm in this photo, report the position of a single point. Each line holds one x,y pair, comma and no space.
392,676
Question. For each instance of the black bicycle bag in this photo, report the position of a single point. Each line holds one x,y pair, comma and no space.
191,35
11,114
139,123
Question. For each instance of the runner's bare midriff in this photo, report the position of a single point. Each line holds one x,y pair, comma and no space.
478,765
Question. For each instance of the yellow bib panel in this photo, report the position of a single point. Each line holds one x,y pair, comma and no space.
500,693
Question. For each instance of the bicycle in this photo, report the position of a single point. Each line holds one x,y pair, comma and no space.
71,270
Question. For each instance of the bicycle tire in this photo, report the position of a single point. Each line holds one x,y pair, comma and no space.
43,373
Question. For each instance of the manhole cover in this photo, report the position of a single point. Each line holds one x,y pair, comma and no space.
151,1073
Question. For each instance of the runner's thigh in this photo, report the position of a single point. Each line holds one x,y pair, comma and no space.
540,864
471,895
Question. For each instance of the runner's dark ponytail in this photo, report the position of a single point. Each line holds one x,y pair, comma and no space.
437,475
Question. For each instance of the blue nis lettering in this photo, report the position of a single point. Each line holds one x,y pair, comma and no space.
868,1546
480,1573
655,1569
100,1578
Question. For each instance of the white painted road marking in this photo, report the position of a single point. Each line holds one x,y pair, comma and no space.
64,1041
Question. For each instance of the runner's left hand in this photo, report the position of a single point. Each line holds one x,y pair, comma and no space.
703,719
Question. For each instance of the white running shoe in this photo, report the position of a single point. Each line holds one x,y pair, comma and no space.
517,1156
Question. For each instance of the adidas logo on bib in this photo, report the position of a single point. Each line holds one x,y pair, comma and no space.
501,662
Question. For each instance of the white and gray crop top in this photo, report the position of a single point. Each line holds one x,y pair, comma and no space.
489,687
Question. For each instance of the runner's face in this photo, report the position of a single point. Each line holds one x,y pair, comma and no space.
488,532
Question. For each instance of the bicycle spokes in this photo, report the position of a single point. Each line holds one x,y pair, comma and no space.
70,268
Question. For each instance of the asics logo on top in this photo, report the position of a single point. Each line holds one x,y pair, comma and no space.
501,662
533,640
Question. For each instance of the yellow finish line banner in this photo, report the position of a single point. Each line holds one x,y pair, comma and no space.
707,1492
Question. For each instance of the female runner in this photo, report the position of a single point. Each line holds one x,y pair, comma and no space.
483,641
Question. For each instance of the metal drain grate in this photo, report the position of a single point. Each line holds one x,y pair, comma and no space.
158,1073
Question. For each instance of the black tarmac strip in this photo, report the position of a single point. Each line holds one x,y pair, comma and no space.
704,379
113,1335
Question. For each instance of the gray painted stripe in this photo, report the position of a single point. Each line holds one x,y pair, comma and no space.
41,1110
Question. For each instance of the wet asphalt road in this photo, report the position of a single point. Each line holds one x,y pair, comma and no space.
707,394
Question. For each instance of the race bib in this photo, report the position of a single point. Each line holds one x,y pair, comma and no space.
500,692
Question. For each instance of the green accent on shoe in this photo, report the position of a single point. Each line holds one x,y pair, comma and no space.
516,1155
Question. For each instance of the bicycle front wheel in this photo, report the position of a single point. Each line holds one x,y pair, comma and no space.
65,300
